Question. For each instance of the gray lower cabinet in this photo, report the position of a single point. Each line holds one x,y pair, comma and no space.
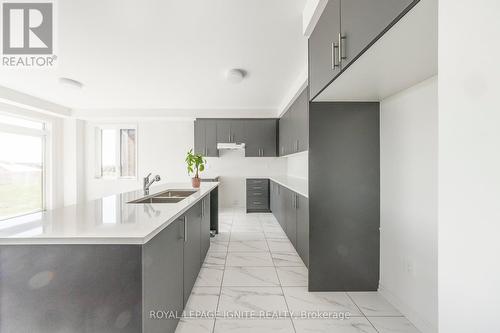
302,206
257,195
163,276
292,212
205,227
192,247
205,137
345,30
290,216
282,206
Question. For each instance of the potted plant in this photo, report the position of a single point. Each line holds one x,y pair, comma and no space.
195,162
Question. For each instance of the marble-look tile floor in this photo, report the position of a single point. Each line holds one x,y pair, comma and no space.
252,268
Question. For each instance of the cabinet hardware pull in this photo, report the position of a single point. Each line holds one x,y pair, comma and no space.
185,230
342,40
335,49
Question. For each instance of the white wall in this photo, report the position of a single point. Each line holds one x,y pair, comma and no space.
297,165
469,166
162,146
234,168
408,202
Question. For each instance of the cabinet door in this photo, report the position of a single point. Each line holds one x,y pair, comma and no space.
199,136
162,277
303,229
281,136
283,201
211,138
224,130
192,249
365,20
300,123
285,133
267,133
272,190
323,51
205,227
238,132
251,139
291,218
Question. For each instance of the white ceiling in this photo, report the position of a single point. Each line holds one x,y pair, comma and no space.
165,54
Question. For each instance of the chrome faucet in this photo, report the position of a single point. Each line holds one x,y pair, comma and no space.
147,183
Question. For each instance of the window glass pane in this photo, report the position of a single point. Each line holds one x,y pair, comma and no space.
9,120
109,153
127,150
21,174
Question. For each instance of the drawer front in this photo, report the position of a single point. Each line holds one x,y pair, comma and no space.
253,204
258,182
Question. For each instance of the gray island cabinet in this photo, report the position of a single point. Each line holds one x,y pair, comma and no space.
128,272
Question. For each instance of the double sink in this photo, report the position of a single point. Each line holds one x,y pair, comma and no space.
165,197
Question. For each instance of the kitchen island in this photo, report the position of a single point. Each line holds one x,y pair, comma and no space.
106,265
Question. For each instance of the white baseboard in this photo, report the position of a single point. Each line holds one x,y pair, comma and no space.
423,325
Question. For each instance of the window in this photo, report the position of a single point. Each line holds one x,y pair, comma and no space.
22,166
116,152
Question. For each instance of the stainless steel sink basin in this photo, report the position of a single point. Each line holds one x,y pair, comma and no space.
175,193
168,196
154,200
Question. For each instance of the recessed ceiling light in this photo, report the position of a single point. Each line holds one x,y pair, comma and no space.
235,75
70,82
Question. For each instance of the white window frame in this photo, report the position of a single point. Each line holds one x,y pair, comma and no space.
44,134
98,149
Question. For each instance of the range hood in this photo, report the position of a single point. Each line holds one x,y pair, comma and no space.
230,146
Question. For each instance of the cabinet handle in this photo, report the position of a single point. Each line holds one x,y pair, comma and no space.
229,137
335,49
262,152
185,230
297,145
342,55
296,201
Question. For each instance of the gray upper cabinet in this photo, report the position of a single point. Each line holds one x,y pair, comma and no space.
363,21
344,31
224,134
294,127
260,137
283,135
300,123
323,48
205,137
238,131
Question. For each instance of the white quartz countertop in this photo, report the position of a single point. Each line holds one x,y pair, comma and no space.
298,185
109,220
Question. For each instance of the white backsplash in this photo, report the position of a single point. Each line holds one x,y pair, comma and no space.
233,168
